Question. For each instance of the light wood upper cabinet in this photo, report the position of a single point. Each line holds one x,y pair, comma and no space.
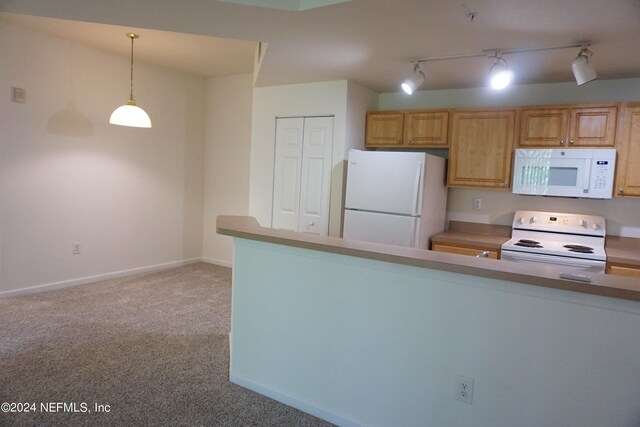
384,128
481,148
426,128
539,128
628,170
592,126
407,129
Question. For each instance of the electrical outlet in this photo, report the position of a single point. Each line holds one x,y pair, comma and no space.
477,203
76,248
464,389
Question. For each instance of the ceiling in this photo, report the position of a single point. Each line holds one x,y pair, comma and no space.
369,41
200,55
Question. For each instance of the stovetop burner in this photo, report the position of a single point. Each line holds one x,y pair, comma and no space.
579,248
528,243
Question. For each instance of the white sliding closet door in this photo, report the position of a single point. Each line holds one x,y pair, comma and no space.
302,174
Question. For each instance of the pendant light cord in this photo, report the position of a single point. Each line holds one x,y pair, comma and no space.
132,36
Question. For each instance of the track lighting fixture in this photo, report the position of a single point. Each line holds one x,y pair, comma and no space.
499,75
130,114
583,69
411,84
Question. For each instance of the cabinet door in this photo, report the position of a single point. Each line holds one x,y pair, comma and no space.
620,270
481,148
593,127
628,175
426,129
465,250
541,128
384,129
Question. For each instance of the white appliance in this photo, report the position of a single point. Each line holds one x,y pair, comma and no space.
397,198
571,242
576,172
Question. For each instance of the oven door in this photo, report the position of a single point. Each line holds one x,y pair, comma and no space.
561,262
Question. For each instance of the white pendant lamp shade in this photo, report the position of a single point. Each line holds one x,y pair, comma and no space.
411,84
499,75
582,69
130,114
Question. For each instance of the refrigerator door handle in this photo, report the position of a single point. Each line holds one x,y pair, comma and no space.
416,190
414,233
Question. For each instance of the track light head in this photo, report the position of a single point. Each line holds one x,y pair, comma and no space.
412,84
583,69
499,74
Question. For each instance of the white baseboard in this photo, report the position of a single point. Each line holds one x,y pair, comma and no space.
217,262
294,402
96,278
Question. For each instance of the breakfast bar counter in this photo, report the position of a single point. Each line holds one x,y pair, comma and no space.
363,334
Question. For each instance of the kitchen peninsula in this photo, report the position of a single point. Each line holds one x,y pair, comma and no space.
360,334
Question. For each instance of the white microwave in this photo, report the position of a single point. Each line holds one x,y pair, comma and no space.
575,172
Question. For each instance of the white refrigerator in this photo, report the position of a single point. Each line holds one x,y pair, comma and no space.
397,198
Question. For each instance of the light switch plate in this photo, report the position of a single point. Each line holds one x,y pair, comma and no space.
18,95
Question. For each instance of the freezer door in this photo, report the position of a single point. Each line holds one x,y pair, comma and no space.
381,228
385,182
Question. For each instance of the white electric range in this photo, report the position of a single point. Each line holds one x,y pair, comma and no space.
572,242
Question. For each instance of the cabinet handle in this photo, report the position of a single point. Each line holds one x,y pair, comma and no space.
562,142
397,141
483,254
620,190
571,142
408,141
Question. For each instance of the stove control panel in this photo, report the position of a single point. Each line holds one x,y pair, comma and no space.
591,225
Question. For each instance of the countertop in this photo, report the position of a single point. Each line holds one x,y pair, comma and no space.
601,284
623,250
473,234
620,250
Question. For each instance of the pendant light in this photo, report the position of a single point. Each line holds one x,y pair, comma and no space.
130,114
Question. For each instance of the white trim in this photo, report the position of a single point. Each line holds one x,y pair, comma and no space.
307,407
217,262
96,278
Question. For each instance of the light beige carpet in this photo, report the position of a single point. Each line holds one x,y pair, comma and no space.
153,347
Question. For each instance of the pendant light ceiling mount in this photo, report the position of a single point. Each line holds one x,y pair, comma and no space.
499,74
130,114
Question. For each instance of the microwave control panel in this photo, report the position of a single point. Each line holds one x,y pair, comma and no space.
601,179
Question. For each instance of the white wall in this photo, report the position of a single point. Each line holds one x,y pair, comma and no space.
227,154
360,99
499,206
131,197
360,342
